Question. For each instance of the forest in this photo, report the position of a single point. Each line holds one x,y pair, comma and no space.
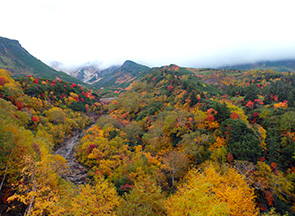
179,141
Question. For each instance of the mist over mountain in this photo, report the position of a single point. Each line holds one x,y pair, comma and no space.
89,72
279,65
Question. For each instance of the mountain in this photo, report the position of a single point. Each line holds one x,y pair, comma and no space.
91,74
280,65
88,73
17,60
123,76
59,66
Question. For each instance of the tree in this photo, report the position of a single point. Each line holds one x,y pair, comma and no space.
212,193
100,199
56,115
176,163
40,187
242,142
144,199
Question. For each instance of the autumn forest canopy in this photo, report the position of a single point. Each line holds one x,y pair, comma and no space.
176,141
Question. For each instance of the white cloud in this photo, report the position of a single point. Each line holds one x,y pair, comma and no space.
155,32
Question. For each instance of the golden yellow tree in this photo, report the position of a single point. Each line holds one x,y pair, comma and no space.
144,199
212,193
100,199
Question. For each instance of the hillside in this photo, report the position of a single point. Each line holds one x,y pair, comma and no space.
178,141
123,76
20,62
280,65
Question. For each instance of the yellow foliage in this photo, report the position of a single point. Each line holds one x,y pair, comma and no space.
100,199
219,142
144,199
239,111
6,75
212,193
42,190
261,135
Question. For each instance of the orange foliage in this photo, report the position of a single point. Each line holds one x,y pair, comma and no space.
283,105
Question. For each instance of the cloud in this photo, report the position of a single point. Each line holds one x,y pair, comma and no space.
188,33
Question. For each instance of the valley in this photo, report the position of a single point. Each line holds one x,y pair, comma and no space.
135,140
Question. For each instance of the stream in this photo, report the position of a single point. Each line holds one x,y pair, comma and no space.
77,173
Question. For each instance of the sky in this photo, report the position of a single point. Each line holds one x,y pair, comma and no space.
189,33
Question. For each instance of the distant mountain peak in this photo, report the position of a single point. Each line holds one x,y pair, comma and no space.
129,62
123,76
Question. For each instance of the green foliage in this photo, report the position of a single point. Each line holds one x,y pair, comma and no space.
242,142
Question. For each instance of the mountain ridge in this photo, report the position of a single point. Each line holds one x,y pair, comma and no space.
17,60
123,76
285,65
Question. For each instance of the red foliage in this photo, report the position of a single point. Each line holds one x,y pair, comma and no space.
229,158
261,159
262,208
87,107
274,167
210,118
250,104
274,97
35,119
126,187
90,148
258,101
211,110
175,67
29,76
269,197
36,81
170,87
20,105
253,121
2,81
255,114
234,116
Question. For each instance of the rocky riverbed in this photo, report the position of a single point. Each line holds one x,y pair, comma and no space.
77,173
